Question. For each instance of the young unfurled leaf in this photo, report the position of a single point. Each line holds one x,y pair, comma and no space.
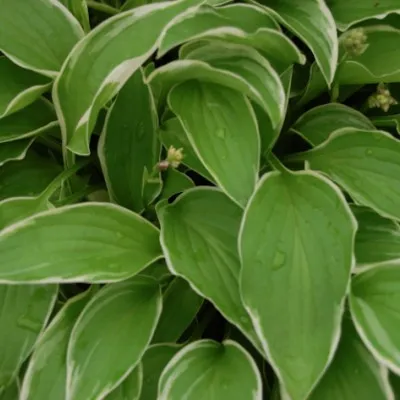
312,21
365,163
375,308
180,305
109,244
16,150
129,148
18,87
379,62
317,124
205,20
37,34
173,134
30,121
353,373
377,239
347,13
207,369
104,61
155,359
80,10
24,312
46,374
296,246
215,119
198,236
115,328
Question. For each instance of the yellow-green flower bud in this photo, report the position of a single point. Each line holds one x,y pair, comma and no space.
354,41
381,99
174,156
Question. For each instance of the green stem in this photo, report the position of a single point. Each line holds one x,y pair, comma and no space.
105,8
59,179
78,195
275,163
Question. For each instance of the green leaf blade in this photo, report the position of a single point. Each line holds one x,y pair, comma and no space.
282,278
131,310
110,244
210,369
216,134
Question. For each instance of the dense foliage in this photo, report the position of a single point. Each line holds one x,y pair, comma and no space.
199,200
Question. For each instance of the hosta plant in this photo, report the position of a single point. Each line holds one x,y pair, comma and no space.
200,200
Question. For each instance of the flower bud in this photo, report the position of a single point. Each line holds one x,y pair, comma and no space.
354,41
174,156
381,99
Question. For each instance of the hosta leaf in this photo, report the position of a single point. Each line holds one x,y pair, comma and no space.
214,118
16,150
317,124
237,67
104,61
173,134
178,296
30,121
245,62
122,318
365,163
198,236
37,34
79,9
46,374
24,312
206,19
316,85
284,274
272,44
385,121
207,369
353,373
11,392
154,361
27,177
175,182
375,308
109,243
395,383
347,13
312,21
377,239
379,62
129,148
18,87
130,387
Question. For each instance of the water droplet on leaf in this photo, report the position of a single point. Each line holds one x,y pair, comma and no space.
279,260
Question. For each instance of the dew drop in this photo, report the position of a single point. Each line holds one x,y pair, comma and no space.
221,133
279,260
368,152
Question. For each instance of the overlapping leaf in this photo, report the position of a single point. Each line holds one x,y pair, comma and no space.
103,61
377,239
375,308
80,10
214,118
47,372
109,243
199,235
129,148
353,373
122,318
207,369
18,87
312,21
365,163
23,314
37,34
317,124
175,182
289,284
130,388
16,150
347,13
